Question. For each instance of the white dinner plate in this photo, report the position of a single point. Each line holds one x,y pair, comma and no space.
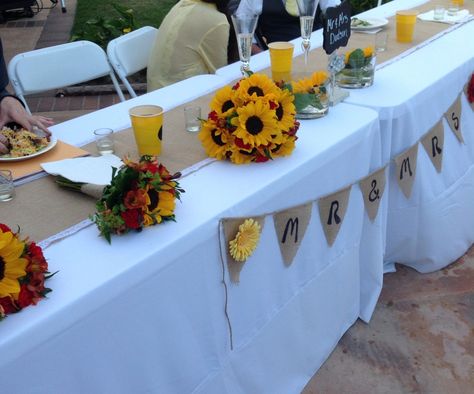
47,148
375,23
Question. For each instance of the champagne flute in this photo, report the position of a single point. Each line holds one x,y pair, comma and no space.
244,26
306,11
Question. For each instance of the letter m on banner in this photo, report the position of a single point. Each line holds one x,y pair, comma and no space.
290,227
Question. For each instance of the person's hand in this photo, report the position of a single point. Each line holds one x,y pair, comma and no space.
11,110
256,49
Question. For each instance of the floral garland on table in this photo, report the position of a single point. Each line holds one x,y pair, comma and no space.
23,271
141,194
252,121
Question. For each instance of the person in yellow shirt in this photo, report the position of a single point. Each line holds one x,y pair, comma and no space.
193,39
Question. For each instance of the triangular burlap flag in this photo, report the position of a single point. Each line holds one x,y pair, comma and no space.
405,169
467,95
231,227
453,116
433,142
373,188
332,210
290,227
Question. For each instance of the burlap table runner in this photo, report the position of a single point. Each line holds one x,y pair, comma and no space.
42,209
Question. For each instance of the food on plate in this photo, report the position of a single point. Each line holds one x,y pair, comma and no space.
19,143
356,22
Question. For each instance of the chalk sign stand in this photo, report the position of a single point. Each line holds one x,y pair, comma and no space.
336,33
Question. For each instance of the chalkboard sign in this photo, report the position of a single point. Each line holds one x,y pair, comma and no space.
337,27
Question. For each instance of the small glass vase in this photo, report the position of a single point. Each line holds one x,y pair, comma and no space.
319,105
357,77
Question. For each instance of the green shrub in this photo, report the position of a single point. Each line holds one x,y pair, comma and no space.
358,6
103,29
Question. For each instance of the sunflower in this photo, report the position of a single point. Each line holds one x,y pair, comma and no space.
255,86
245,241
224,102
286,111
319,78
255,123
302,86
284,149
214,139
160,204
12,265
368,51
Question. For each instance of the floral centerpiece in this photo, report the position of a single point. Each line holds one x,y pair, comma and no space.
23,271
312,95
252,121
141,194
359,67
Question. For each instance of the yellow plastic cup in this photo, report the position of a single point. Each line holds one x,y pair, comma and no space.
281,57
405,21
147,123
460,3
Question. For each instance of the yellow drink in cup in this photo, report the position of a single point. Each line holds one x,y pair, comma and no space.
405,21
281,57
147,123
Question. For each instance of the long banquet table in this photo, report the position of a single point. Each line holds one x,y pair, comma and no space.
148,313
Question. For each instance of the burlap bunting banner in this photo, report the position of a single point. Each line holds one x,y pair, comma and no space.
453,116
290,227
433,142
372,188
405,169
231,227
332,210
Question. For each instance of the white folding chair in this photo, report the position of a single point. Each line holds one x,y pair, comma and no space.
129,53
57,67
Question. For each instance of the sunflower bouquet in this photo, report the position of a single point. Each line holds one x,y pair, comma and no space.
311,95
252,121
359,67
23,271
141,194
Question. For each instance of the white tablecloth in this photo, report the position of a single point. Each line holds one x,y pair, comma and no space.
147,313
433,227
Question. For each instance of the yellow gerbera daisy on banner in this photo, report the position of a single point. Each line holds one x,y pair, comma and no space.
12,265
245,241
214,140
257,85
285,112
224,102
255,123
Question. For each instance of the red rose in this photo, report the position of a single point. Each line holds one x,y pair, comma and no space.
470,90
152,167
8,305
132,218
5,228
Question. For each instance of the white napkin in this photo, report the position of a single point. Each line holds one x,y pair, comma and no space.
95,170
450,19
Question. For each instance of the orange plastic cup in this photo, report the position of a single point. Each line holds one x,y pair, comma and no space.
405,23
147,123
281,57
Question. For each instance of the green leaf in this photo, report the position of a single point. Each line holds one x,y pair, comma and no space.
356,58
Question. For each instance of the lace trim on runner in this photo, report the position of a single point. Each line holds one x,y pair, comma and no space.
65,233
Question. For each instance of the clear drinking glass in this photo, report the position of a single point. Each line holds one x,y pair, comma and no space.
6,185
306,11
104,139
244,26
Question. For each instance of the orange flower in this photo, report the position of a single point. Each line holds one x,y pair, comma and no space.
135,199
